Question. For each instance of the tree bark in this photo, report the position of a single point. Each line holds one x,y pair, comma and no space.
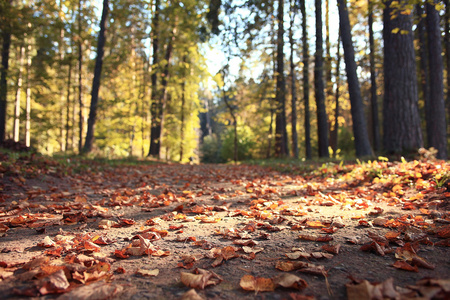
293,86
80,82
447,52
373,84
322,120
362,144
401,121
69,82
28,97
154,146
6,44
423,67
436,125
281,148
96,81
16,127
335,133
305,53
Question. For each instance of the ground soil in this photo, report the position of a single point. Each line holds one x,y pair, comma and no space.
222,190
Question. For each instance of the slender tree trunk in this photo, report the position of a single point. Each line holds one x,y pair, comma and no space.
6,38
16,127
28,97
183,100
401,122
423,68
373,84
269,145
233,116
69,82
293,85
154,130
96,82
334,134
322,120
281,147
305,53
61,93
436,122
447,52
328,61
80,82
362,144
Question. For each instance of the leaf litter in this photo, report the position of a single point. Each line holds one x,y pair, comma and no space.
198,232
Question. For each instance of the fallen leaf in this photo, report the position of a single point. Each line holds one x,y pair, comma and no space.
200,278
93,291
366,290
257,284
150,273
290,281
401,264
191,295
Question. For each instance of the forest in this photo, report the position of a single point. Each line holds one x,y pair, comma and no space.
223,80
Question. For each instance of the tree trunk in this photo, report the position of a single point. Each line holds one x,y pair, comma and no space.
80,82
334,134
6,38
401,122
447,52
16,127
61,92
362,144
373,84
423,67
96,81
322,120
154,130
183,100
293,86
28,97
436,125
69,82
305,53
328,61
281,147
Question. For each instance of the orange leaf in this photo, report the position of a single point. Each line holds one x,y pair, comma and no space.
257,284
400,264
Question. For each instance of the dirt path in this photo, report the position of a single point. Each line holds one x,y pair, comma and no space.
129,232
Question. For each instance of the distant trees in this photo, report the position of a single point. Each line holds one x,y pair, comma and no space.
156,86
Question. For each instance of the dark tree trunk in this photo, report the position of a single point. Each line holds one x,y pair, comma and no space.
328,61
335,132
362,144
281,148
69,79
322,120
305,53
183,100
447,52
436,125
293,86
96,82
158,127
401,122
423,67
6,44
154,146
373,84
80,82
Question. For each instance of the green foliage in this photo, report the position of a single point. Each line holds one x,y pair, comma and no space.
246,144
211,150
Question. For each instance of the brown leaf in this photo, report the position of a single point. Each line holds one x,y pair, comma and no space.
334,249
200,278
191,295
401,264
93,291
290,281
150,273
54,283
367,290
257,284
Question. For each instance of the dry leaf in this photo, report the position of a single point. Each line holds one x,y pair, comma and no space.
200,278
191,295
366,290
94,291
150,273
257,284
290,281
